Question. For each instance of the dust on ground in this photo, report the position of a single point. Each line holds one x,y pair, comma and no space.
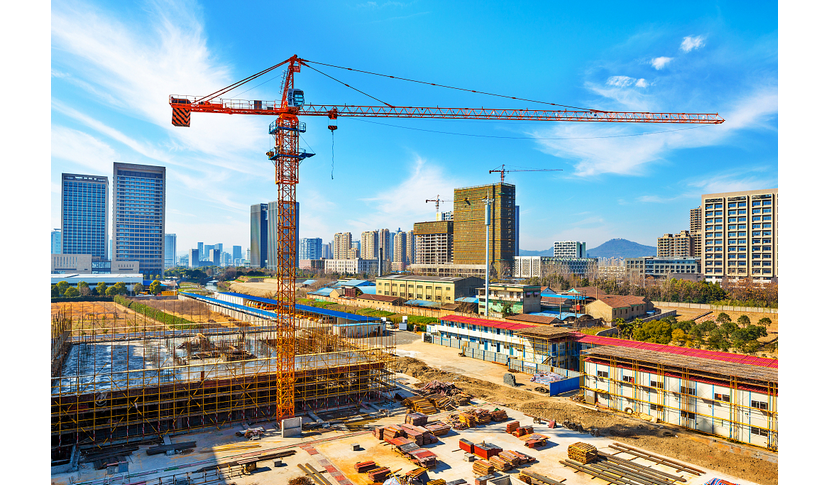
194,311
662,439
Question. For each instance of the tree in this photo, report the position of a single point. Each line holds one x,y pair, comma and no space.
120,288
723,318
101,287
743,320
707,326
62,286
765,322
138,288
83,288
56,292
678,336
729,329
111,291
71,292
155,287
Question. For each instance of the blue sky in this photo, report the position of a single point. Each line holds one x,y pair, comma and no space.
113,65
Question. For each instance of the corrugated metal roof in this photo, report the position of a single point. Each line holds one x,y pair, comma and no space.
310,309
485,323
706,354
422,303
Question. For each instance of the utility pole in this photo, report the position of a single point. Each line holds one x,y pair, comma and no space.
487,201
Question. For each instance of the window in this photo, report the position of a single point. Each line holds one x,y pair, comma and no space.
722,397
758,431
629,379
686,414
688,390
657,384
602,374
760,405
656,407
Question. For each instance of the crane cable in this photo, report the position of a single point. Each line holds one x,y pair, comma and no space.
447,87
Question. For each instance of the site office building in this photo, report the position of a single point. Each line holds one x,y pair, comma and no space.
727,395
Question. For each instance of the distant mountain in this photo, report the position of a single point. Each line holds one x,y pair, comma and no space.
621,248
546,252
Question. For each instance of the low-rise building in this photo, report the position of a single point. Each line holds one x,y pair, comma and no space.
71,263
660,267
538,266
510,299
449,270
427,288
350,266
612,307
718,393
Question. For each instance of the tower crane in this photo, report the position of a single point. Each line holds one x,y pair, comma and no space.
437,201
287,155
503,170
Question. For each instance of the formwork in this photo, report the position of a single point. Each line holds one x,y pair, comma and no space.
119,376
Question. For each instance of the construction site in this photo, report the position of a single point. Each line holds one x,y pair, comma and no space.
120,377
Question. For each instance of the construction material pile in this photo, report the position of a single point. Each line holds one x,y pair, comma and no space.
420,405
500,463
534,440
378,474
418,434
498,415
423,458
445,395
439,481
512,426
483,467
482,416
364,466
515,458
438,428
582,452
521,431
417,419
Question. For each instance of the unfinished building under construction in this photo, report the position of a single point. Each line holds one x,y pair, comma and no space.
125,375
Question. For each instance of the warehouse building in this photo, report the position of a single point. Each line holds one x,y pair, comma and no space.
727,395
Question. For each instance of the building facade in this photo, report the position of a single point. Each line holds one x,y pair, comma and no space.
342,245
84,213
399,254
469,225
311,248
569,249
139,215
508,300
369,245
57,247
661,267
680,245
433,241
738,401
169,251
71,263
427,288
539,266
352,266
740,235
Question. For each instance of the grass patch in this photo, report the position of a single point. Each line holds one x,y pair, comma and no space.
371,312
592,330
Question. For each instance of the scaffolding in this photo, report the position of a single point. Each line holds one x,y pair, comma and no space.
742,404
120,376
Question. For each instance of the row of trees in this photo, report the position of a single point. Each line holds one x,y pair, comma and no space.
62,289
720,334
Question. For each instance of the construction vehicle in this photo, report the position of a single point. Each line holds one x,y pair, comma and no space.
287,155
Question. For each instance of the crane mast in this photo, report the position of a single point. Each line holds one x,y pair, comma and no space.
287,156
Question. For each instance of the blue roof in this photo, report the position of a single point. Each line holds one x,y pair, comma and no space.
309,309
353,283
322,292
468,299
558,315
553,294
422,303
369,290
308,282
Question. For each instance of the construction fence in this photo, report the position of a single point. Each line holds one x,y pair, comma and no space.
706,306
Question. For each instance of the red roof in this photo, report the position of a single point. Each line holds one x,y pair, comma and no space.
706,354
485,322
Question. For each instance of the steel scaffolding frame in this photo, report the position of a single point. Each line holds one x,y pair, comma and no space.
122,377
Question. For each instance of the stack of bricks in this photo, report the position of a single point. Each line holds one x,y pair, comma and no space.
512,426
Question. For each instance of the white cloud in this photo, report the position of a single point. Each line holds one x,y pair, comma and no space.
691,43
603,148
641,83
83,149
735,180
625,81
660,62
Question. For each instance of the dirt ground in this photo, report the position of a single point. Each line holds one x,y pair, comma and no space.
265,289
103,317
194,311
663,439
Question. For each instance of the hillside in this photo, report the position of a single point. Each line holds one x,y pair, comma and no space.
621,248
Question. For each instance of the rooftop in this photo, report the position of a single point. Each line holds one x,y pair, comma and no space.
448,279
483,322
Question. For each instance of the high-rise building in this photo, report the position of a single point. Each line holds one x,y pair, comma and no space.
678,245
193,258
433,242
214,257
292,212
259,235
469,228
569,249
237,255
410,246
342,244
169,251
311,248
446,216
138,216
201,247
399,254
516,233
386,244
369,245
326,252
84,212
219,246
740,235
56,242
696,231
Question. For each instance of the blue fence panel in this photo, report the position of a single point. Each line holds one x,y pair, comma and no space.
565,385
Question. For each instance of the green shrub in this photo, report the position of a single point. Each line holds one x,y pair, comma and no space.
154,313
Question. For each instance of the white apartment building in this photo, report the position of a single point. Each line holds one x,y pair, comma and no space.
569,249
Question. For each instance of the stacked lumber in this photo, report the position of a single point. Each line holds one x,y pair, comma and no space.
378,474
391,431
365,466
438,428
455,422
482,416
440,481
482,467
533,478
416,476
424,458
522,430
378,433
449,402
500,464
417,419
486,450
498,415
534,440
419,404
516,458
467,419
418,434
582,452
512,426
